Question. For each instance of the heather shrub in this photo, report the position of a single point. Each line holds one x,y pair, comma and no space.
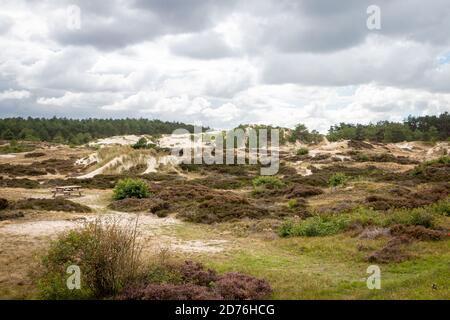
238,286
192,281
109,260
3,203
168,291
130,188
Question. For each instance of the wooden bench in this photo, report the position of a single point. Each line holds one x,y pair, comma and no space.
66,190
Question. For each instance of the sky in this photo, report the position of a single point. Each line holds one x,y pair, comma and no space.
226,62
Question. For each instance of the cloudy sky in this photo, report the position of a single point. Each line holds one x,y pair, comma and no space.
222,63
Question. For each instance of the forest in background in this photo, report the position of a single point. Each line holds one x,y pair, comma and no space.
80,131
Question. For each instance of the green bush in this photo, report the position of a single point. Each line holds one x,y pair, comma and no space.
441,207
315,226
106,253
421,168
143,144
416,217
333,224
293,203
268,182
302,151
130,188
337,179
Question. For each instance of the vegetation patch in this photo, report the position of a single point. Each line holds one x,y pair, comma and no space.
381,157
393,251
130,188
109,256
338,179
302,152
15,147
418,232
139,205
57,204
34,154
19,183
406,199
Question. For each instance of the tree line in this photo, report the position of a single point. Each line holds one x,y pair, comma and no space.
80,131
423,128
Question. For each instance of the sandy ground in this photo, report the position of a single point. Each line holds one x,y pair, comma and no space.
25,239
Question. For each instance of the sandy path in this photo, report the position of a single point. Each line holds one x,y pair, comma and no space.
155,231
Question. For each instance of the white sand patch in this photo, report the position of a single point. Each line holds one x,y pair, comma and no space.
114,162
8,156
405,146
92,158
145,224
120,140
302,168
38,228
153,163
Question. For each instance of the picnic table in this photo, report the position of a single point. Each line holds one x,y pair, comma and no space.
66,190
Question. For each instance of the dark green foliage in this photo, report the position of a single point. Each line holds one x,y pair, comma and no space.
268,182
301,133
302,151
426,128
130,188
75,131
337,179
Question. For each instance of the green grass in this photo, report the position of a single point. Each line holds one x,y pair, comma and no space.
323,225
333,268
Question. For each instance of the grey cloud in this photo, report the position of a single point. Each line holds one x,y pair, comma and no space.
122,23
6,23
208,45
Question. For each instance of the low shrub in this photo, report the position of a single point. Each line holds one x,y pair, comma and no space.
3,203
293,203
268,182
302,152
415,217
315,226
130,188
107,254
57,204
238,286
441,207
139,205
422,169
322,225
337,179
